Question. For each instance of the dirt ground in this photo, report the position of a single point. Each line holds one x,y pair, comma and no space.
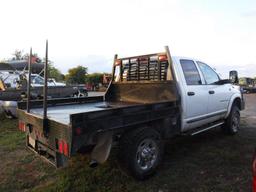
211,161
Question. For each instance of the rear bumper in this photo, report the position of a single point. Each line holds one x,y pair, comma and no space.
47,146
53,157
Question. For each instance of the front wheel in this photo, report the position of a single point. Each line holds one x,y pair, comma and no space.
81,94
141,152
232,123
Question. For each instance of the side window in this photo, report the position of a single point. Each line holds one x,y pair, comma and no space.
209,74
190,72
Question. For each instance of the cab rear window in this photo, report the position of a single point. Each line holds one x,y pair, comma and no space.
190,72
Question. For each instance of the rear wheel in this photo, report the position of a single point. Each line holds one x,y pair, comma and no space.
232,123
141,152
80,94
9,115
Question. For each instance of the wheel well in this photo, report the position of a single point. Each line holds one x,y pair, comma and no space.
167,127
237,102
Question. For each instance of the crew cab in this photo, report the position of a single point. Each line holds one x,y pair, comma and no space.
205,97
152,98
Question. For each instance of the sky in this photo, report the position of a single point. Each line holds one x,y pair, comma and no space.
221,33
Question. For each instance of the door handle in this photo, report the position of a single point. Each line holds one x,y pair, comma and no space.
211,92
191,93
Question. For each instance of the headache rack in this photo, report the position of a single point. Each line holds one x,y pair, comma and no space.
152,67
143,79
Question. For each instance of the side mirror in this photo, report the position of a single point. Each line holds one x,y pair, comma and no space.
233,77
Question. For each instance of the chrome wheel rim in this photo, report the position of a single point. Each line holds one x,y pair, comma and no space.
147,154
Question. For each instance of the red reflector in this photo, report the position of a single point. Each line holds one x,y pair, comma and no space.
65,148
118,62
60,146
162,57
22,126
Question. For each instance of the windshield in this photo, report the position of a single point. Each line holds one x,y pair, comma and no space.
36,79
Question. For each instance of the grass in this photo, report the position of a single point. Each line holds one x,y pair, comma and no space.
206,162
10,138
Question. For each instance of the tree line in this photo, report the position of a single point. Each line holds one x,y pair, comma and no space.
76,75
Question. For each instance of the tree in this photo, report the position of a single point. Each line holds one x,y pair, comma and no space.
18,54
97,80
26,57
76,75
55,73
52,71
94,78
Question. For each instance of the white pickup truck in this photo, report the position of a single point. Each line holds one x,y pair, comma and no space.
154,97
205,98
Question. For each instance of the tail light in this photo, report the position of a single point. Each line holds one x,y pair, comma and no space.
162,57
254,172
62,147
65,148
22,126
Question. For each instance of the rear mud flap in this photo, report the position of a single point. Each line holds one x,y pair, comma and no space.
101,151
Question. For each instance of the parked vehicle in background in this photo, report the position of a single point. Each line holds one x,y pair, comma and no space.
13,86
154,97
38,81
248,84
53,82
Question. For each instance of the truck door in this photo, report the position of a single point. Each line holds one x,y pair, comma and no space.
195,95
219,95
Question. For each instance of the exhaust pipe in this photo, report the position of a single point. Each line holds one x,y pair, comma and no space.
93,163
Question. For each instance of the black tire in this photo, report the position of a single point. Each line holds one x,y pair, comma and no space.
232,123
9,115
80,94
141,152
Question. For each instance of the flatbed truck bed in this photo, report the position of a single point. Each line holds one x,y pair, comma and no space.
62,113
147,97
